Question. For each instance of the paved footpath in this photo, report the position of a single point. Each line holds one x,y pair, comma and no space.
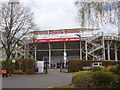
53,78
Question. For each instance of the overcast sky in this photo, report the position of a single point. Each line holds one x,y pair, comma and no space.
56,14
53,14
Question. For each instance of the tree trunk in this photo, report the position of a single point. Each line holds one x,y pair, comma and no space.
7,60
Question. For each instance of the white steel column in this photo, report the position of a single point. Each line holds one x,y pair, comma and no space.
49,54
86,50
93,54
80,51
116,57
108,50
65,54
80,45
35,52
103,44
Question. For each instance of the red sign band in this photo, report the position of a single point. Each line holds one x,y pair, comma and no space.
57,40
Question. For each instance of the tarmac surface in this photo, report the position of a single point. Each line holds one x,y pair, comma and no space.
53,78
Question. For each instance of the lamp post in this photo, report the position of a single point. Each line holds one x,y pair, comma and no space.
60,65
46,65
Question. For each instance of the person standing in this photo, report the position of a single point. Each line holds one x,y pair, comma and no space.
4,73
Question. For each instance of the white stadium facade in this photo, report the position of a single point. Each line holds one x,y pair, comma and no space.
68,44
74,44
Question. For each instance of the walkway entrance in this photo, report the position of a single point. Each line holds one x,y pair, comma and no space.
53,78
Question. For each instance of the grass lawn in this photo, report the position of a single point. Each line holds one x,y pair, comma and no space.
64,87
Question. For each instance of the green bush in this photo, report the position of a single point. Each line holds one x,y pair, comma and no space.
81,72
108,77
77,65
115,83
30,67
116,69
95,69
102,79
26,65
17,65
83,79
8,65
18,72
73,66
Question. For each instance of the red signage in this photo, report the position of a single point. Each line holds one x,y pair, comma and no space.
57,40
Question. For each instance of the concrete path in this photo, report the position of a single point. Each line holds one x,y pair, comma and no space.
53,78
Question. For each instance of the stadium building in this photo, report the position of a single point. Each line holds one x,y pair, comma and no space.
67,44
74,44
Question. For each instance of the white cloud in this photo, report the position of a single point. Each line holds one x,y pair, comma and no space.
4,0
53,14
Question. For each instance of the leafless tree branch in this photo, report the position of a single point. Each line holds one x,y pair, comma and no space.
16,22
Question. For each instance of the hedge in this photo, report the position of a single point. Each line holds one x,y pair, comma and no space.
20,72
9,66
103,78
77,65
26,65
83,79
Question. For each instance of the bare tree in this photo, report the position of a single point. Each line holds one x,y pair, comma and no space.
15,23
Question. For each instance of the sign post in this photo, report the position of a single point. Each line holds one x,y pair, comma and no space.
65,59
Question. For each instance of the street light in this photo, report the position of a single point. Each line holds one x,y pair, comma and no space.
60,65
46,65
